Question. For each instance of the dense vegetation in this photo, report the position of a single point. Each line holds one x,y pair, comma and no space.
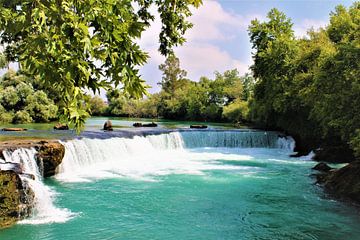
224,98
309,87
73,45
22,101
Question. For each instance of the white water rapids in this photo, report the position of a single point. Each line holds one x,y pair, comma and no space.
45,211
171,153
141,158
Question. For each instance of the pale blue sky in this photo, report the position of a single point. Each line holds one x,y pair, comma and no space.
219,39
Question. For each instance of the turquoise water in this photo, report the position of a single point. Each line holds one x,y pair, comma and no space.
162,190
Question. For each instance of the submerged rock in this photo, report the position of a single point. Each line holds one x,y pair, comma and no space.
108,126
61,126
198,126
344,182
322,167
16,198
14,129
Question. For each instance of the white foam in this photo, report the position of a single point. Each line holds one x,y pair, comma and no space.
45,211
137,158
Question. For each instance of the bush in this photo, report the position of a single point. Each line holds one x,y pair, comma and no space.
22,117
5,117
237,111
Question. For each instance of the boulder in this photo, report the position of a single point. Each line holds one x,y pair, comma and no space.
198,126
14,129
138,124
322,167
108,126
49,156
344,182
60,126
16,198
334,154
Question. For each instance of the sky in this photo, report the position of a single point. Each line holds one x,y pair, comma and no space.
219,39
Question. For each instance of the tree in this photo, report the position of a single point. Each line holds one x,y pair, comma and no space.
76,45
172,74
20,102
97,106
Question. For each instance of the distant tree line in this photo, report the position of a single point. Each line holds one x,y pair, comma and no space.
224,98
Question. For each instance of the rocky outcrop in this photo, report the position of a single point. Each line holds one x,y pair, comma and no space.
344,183
16,198
49,156
334,154
322,167
49,152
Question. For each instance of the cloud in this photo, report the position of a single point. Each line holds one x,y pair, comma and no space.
204,51
301,28
204,59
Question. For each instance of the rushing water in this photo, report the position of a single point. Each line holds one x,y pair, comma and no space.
184,185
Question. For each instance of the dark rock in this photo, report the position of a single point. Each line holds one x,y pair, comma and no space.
322,167
16,198
344,182
61,126
152,124
334,154
198,126
108,126
14,129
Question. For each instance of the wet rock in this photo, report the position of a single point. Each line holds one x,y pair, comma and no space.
334,154
152,124
16,198
344,183
49,153
198,126
61,126
137,124
14,129
108,126
49,156
322,167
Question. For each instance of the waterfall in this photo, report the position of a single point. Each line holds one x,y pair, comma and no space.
237,139
44,211
175,152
